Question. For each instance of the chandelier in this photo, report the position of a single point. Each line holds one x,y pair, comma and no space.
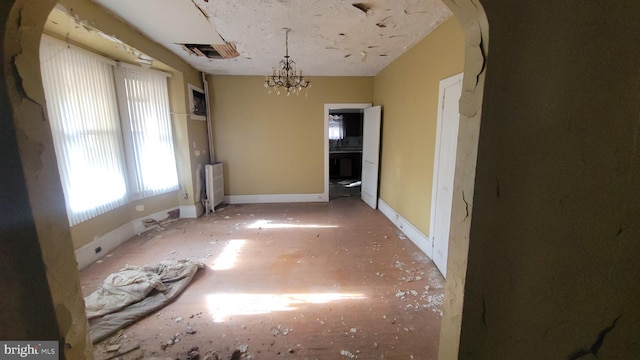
286,77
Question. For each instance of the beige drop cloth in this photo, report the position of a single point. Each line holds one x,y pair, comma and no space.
134,292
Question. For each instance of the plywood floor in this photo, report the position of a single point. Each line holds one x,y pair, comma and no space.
303,281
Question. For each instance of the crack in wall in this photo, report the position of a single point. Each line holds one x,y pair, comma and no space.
466,207
365,8
483,52
484,313
595,347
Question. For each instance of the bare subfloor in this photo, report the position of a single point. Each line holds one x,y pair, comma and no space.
308,281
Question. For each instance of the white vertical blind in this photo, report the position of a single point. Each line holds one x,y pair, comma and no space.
144,104
85,125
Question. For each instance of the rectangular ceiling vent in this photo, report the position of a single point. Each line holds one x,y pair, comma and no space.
222,51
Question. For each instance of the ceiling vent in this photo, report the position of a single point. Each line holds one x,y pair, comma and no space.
222,51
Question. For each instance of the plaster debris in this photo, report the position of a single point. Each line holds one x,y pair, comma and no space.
281,330
348,354
353,330
190,330
151,222
243,348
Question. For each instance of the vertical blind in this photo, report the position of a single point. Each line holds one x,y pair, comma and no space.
111,131
146,119
83,112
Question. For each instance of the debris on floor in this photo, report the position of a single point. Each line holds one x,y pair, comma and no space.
281,330
348,354
134,292
387,303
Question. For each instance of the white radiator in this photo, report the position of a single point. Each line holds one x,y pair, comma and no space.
214,186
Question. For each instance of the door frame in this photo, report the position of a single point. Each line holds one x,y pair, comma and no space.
444,83
327,109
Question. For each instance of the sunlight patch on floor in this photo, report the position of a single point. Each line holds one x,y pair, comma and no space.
228,257
268,224
224,305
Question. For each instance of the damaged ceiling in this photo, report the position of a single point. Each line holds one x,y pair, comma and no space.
246,37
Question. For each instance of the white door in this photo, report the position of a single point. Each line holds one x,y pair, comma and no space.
370,155
444,168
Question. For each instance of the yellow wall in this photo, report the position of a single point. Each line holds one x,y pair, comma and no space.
274,144
87,231
407,89
187,133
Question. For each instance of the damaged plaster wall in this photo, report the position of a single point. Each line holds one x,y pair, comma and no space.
21,39
274,144
471,17
553,250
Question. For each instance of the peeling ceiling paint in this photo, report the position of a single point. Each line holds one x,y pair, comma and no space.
327,38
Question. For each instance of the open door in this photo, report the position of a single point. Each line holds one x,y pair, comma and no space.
444,168
370,155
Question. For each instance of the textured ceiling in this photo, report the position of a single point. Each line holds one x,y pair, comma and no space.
328,37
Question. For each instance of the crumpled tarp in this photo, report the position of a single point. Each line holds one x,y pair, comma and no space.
134,292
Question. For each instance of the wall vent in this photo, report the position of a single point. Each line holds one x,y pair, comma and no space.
222,51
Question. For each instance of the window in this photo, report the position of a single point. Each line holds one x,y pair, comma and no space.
147,125
111,129
336,127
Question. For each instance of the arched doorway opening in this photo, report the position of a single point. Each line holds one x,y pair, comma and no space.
23,25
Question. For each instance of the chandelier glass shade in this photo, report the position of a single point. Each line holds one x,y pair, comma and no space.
286,77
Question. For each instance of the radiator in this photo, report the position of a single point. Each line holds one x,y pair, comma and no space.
214,186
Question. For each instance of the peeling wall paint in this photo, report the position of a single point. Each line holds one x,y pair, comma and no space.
21,40
470,15
51,236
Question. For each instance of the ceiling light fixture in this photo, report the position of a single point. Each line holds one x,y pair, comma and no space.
286,77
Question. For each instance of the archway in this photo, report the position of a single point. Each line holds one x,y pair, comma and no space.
24,99
473,20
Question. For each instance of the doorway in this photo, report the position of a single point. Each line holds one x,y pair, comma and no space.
352,145
345,153
336,169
